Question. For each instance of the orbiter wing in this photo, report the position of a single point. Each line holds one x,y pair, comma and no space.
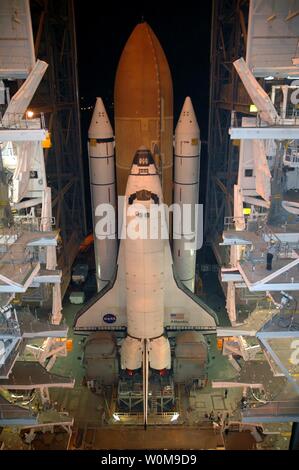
107,309
182,309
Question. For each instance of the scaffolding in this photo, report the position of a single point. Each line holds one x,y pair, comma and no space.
252,190
228,42
57,98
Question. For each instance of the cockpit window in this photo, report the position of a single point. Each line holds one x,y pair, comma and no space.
143,158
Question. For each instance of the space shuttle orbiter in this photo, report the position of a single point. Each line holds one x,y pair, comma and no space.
145,298
144,295
141,288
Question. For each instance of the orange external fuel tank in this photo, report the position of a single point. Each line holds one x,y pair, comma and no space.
143,98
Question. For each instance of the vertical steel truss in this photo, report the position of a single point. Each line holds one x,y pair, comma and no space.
57,97
228,43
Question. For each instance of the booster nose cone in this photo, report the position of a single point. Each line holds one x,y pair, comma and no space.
187,122
102,188
100,127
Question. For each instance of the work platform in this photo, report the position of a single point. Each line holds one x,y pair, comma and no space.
274,412
24,325
32,375
19,266
275,132
283,276
33,327
11,414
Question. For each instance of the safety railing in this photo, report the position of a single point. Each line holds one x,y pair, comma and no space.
33,224
231,223
274,408
291,119
21,121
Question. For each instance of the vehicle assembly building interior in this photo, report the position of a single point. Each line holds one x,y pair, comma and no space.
149,228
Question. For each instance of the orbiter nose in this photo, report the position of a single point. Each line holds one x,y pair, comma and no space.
143,159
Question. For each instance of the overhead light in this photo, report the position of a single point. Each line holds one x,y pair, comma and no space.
116,417
253,108
270,77
29,114
175,416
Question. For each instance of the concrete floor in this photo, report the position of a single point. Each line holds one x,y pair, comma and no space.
83,405
92,413
153,438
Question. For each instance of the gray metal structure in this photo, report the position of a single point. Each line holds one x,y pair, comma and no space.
161,396
57,97
254,29
228,42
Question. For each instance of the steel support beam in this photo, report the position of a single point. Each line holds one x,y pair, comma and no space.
279,133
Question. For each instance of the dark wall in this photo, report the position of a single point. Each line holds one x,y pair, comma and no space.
101,36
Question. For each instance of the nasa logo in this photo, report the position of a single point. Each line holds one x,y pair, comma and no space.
109,318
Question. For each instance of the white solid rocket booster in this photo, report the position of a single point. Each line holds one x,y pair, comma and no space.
186,191
102,188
